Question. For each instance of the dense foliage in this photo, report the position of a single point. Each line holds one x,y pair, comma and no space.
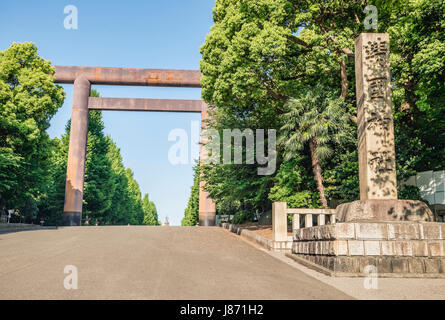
261,54
315,118
191,213
28,100
150,212
33,166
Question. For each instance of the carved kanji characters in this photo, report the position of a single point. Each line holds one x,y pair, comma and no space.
377,87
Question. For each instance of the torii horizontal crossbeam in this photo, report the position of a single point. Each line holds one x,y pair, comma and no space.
130,76
133,104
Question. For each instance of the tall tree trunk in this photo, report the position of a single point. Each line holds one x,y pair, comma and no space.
316,167
344,79
411,99
345,85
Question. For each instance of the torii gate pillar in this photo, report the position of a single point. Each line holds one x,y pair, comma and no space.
72,211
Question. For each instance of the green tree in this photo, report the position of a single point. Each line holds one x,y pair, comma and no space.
416,30
137,216
28,100
255,59
191,213
98,186
260,54
150,212
315,118
294,185
52,201
119,212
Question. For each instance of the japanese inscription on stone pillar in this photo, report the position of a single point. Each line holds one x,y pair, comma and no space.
377,169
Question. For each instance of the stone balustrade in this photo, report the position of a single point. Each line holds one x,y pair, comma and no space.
301,218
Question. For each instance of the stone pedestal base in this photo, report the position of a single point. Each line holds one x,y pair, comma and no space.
207,219
71,219
384,210
396,249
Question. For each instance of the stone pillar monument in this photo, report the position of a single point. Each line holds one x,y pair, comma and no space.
72,211
207,208
377,160
377,168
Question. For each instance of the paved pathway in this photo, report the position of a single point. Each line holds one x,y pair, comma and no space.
148,263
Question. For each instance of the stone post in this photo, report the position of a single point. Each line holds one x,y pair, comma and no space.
279,221
377,168
207,208
321,220
377,160
308,221
295,222
72,212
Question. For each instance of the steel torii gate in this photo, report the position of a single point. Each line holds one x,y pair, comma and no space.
83,78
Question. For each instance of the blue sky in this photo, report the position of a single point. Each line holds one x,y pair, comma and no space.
135,34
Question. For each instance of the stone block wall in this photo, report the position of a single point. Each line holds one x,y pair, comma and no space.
409,248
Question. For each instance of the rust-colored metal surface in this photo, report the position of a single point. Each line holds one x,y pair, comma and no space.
130,104
72,211
130,76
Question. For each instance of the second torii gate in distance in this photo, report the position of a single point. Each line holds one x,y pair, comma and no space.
83,78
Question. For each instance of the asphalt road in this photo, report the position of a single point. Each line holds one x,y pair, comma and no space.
148,263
